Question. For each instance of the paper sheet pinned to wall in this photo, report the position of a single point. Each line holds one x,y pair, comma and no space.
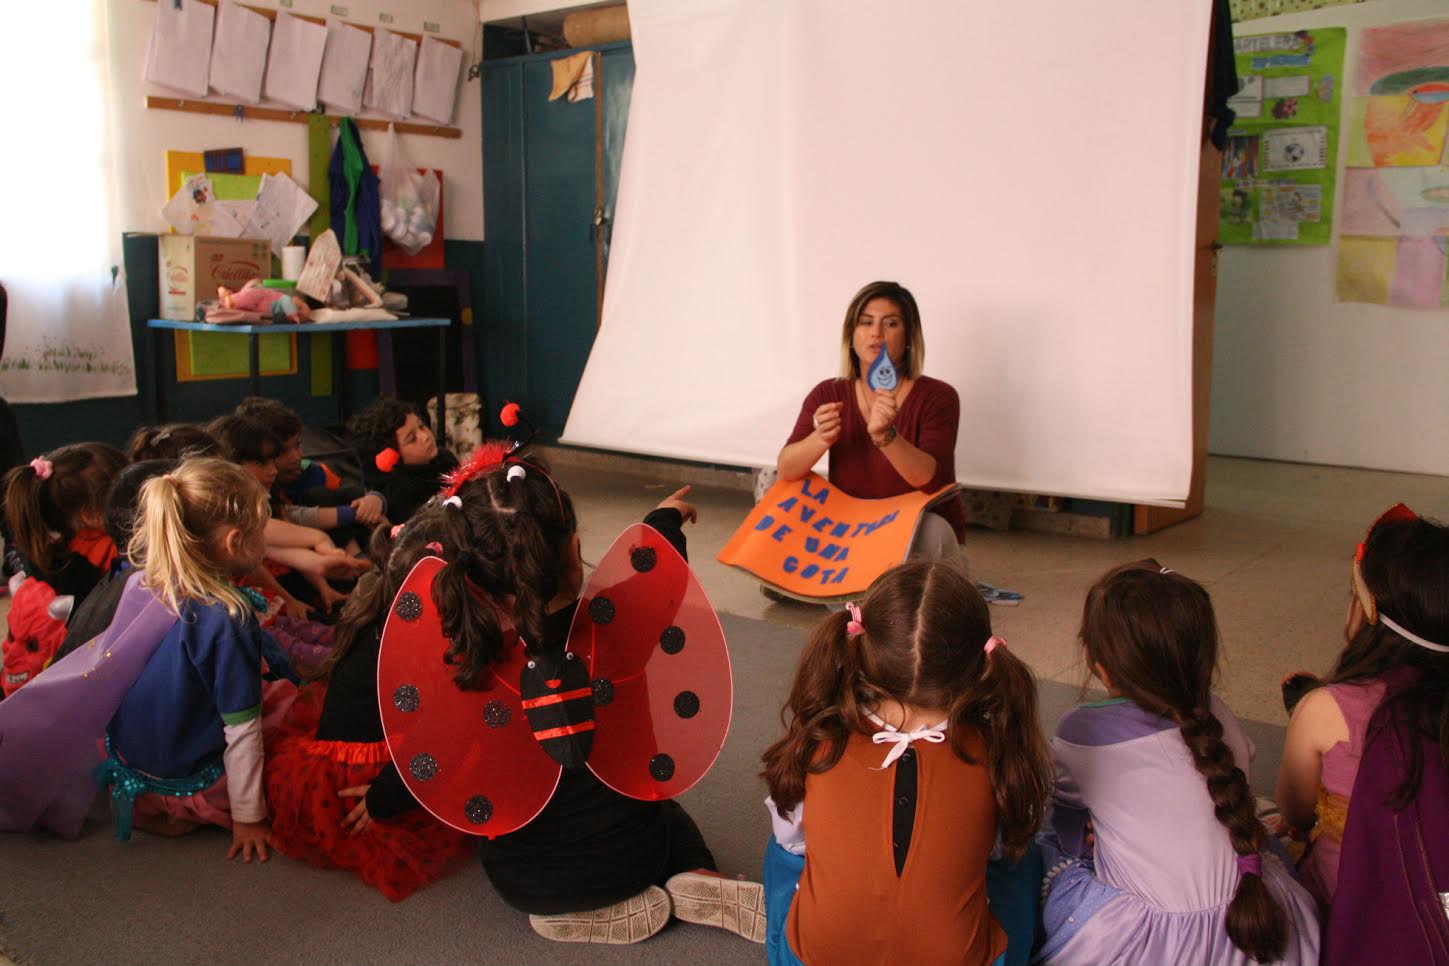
435,87
195,210
389,87
179,53
344,67
295,61
281,210
239,52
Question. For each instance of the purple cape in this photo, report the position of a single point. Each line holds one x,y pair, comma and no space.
50,730
1390,905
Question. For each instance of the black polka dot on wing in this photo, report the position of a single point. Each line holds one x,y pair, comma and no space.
671,640
643,559
601,609
603,691
478,809
423,767
409,606
686,704
405,698
496,714
661,767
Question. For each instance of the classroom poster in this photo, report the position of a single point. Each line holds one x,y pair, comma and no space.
811,541
1278,168
1394,228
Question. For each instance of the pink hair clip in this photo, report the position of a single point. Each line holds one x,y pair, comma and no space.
993,644
854,628
436,548
396,529
42,467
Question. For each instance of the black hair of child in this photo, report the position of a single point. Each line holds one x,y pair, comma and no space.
374,428
280,420
243,439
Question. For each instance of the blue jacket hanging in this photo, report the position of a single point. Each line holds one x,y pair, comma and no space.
356,217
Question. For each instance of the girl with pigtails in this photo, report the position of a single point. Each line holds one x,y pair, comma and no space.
911,758
55,510
1176,868
173,684
590,864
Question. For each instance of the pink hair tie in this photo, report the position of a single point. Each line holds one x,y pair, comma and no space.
42,467
1250,864
854,628
396,529
436,548
993,644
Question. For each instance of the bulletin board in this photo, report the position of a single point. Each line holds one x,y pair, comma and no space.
201,356
1278,168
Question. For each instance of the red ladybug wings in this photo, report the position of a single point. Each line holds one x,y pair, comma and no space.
642,693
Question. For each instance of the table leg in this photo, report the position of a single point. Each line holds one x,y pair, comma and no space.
159,339
441,430
339,373
255,353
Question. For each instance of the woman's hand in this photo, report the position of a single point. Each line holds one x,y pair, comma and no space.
827,423
675,501
882,414
250,838
359,818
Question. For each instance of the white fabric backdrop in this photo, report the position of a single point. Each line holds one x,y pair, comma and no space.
1028,170
68,334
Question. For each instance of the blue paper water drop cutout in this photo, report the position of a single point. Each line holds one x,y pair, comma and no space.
881,376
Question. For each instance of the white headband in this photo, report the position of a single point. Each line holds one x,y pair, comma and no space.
1410,636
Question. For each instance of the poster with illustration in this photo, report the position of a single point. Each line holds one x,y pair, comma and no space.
1393,246
1277,178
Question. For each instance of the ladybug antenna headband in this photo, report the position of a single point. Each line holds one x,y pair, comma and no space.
491,455
1396,513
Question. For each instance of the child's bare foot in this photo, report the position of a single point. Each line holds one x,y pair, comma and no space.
167,825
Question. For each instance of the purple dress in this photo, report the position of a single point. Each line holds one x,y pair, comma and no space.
1162,873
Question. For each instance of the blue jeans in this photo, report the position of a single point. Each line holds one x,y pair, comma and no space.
1010,889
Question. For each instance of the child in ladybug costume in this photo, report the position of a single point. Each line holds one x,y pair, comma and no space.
558,721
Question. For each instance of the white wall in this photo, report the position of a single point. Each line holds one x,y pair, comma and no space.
1298,376
491,10
144,136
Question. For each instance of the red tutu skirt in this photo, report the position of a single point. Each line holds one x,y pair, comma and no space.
396,856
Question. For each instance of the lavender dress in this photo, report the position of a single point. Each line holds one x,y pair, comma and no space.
1157,886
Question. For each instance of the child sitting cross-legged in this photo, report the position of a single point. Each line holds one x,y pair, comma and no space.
1366,761
911,757
290,546
1177,867
310,492
174,683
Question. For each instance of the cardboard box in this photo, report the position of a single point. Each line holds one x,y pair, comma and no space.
193,267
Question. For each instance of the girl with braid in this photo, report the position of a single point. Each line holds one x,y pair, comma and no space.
1154,852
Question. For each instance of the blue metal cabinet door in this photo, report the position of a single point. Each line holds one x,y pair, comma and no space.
559,199
504,313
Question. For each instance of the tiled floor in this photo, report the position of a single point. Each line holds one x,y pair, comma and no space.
1273,548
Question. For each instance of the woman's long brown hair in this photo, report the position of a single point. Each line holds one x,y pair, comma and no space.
926,628
1155,635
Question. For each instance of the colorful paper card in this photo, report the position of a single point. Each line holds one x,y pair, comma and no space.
809,540
1278,168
